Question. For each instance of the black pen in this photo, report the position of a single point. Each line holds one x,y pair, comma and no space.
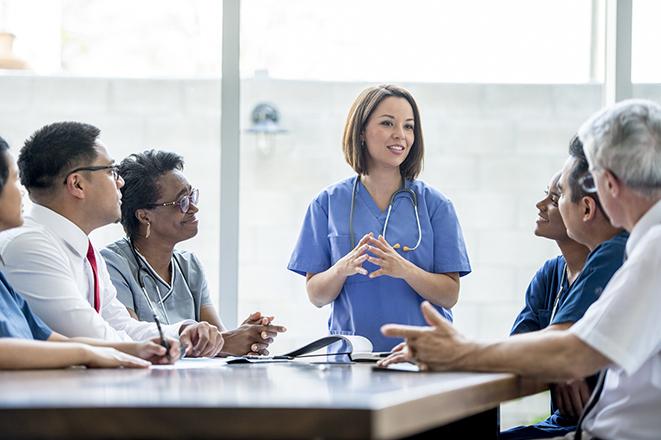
164,342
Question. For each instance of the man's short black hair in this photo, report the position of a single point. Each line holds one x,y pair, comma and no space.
53,150
140,172
4,163
580,169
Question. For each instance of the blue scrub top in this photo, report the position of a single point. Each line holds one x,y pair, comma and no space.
540,296
599,267
16,318
365,304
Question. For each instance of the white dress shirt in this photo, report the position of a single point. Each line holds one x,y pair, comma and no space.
45,260
625,326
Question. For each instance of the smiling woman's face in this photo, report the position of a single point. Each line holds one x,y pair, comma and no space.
549,221
389,133
168,222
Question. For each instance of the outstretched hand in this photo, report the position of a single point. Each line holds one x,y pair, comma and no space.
437,347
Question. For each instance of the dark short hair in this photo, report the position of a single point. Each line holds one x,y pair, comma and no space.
579,169
140,172
53,150
4,163
360,112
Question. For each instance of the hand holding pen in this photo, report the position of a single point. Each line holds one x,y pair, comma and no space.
172,347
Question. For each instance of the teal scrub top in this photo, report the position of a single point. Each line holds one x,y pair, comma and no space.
182,299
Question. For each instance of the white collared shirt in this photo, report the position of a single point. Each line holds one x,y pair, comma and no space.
45,260
624,324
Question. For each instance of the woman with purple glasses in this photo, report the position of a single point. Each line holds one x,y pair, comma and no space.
159,210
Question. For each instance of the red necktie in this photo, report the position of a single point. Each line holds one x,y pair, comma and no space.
92,259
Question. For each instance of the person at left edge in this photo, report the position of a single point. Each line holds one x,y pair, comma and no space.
407,253
74,185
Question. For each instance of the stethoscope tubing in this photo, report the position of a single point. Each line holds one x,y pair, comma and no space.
146,270
403,190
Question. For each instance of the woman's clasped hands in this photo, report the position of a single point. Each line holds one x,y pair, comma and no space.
378,252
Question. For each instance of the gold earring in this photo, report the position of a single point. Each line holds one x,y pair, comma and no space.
148,230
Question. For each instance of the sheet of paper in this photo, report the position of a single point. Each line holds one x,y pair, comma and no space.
190,363
404,366
360,344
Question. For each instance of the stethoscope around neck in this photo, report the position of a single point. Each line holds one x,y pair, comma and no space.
148,271
402,191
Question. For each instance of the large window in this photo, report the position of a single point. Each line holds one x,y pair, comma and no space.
646,63
510,41
120,38
145,72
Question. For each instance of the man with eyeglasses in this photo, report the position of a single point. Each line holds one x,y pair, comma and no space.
621,332
74,185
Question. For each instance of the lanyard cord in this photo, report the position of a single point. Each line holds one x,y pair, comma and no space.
559,294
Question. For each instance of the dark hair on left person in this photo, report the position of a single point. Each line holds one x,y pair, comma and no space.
4,163
54,150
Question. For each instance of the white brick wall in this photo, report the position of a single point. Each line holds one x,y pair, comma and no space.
490,148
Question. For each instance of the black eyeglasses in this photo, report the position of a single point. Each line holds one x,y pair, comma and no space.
183,203
114,170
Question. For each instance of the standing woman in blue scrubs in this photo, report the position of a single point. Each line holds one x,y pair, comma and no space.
378,244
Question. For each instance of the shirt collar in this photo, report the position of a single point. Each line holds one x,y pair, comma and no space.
651,218
69,232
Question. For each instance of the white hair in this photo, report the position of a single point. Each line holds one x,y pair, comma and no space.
626,139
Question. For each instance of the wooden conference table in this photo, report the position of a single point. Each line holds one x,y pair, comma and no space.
209,399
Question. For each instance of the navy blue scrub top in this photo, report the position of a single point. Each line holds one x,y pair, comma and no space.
600,266
540,296
364,304
16,318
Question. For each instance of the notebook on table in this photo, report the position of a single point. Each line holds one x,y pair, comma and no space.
355,348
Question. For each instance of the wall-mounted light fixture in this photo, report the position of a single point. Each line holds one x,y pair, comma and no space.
265,125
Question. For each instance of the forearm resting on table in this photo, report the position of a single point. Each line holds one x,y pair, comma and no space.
121,346
27,354
553,356
438,288
324,287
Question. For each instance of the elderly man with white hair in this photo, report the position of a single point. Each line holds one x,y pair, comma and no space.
620,333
